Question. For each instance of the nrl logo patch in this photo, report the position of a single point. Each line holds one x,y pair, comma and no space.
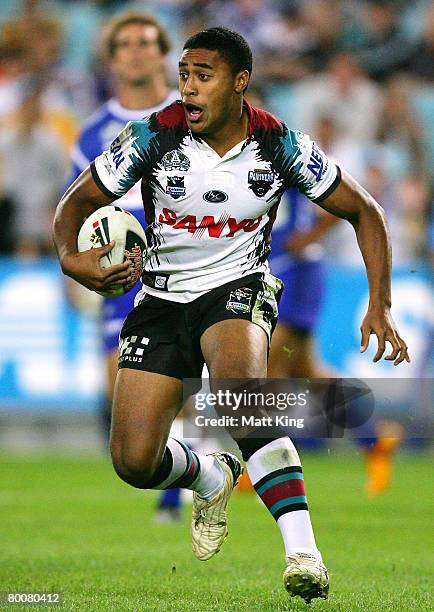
239,301
176,160
175,186
260,181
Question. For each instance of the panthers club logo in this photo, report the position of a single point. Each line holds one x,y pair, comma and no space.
260,181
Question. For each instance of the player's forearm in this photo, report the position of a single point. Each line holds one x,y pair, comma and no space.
79,201
374,241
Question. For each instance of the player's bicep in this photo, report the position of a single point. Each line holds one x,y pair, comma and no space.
86,193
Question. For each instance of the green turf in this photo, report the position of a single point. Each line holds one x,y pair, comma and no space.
70,525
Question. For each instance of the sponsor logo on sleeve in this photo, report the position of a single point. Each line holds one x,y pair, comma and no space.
176,160
261,181
175,186
316,163
117,153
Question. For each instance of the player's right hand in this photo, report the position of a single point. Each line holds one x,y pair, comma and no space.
85,269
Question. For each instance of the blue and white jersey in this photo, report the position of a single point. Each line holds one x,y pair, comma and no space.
97,135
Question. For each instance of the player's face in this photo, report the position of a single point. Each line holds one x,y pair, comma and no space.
208,90
137,54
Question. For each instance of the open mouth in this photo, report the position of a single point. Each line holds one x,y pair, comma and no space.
194,113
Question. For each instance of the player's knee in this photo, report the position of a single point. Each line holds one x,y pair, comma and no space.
134,468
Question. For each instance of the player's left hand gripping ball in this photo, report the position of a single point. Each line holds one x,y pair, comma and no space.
114,223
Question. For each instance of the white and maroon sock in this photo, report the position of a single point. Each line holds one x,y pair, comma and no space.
276,474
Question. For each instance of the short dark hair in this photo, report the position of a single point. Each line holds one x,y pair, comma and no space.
231,45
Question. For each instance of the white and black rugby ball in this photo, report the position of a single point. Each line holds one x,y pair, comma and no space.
114,223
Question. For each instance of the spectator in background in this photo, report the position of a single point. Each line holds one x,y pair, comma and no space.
342,91
399,130
422,62
42,35
288,46
194,17
339,146
39,43
250,18
33,169
13,67
387,46
414,201
333,27
6,226
405,200
406,161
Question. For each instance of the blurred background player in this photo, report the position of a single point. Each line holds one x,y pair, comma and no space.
134,47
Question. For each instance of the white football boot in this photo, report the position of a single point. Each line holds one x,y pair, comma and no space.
209,521
306,576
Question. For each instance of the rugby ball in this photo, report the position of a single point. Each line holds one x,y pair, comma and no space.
114,223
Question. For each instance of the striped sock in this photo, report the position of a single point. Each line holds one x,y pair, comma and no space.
183,468
277,477
282,491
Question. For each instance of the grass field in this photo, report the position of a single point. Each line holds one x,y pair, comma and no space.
70,525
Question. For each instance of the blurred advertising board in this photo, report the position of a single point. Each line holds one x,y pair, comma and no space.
345,305
50,354
49,351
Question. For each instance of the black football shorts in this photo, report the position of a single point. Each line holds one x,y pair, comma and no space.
162,336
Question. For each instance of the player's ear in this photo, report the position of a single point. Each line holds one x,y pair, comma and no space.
241,81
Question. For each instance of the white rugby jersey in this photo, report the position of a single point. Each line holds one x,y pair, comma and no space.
209,216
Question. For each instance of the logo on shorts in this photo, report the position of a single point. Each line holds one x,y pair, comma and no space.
175,186
260,181
215,197
176,160
239,301
131,349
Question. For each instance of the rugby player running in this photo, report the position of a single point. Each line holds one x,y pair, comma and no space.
213,169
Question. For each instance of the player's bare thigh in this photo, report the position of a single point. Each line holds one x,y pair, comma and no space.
144,407
235,349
